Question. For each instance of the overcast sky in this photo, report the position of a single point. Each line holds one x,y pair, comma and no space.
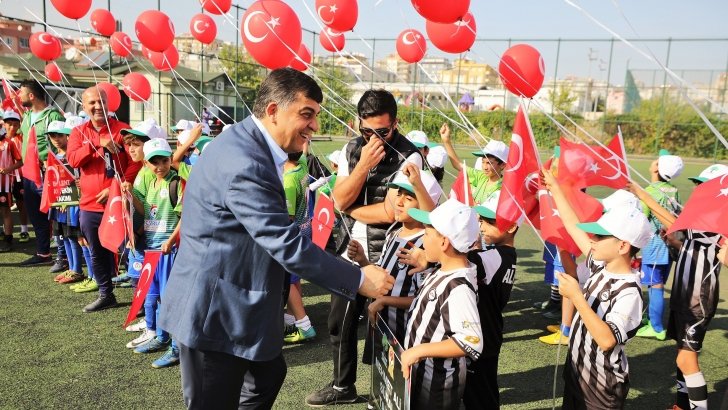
496,20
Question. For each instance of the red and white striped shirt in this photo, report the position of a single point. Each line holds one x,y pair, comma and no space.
9,154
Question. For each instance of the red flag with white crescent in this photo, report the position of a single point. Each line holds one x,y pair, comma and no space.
31,162
583,165
323,221
111,230
707,208
57,178
149,267
461,189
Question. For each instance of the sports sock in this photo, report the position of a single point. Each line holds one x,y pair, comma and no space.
555,296
24,228
682,391
87,256
697,391
289,319
565,330
303,324
657,304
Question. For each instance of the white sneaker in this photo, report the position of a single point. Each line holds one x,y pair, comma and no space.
144,338
14,207
54,244
138,326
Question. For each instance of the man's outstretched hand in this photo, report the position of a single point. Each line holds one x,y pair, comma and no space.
377,282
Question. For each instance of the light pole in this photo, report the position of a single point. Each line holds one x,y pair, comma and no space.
588,76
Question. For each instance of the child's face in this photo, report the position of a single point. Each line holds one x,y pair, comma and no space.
58,140
136,150
11,127
491,166
335,167
491,234
607,248
404,201
433,244
160,165
653,167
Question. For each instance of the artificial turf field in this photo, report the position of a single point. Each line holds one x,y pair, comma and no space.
54,356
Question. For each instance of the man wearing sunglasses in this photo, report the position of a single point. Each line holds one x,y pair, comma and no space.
366,165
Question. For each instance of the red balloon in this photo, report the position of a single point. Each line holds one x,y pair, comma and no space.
332,40
73,9
453,38
103,22
340,15
113,96
304,54
147,53
155,30
203,28
166,61
137,87
271,33
442,11
121,44
53,72
45,46
522,70
216,6
411,46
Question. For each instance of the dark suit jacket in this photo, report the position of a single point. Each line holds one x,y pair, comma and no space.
225,292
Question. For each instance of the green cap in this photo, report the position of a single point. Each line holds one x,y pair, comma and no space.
595,228
202,141
420,215
484,212
557,152
664,152
406,187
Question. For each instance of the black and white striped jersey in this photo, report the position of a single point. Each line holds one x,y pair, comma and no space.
602,377
444,308
695,283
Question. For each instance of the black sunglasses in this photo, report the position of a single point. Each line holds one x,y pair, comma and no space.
380,132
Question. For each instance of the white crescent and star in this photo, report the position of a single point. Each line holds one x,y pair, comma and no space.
330,33
55,171
246,29
518,141
404,38
328,216
197,30
127,41
148,270
40,38
618,168
322,18
112,219
594,167
724,191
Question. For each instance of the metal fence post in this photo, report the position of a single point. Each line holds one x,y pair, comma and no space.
662,104
720,118
606,93
503,109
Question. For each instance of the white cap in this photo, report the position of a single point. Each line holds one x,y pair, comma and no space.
156,146
625,223
495,148
83,114
183,125
437,157
621,197
334,157
478,163
226,127
184,136
147,128
488,208
419,139
205,128
68,115
55,126
669,166
73,122
710,173
11,115
454,220
433,188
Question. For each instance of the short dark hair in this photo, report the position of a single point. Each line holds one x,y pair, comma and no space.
35,88
129,138
633,250
282,86
377,102
493,158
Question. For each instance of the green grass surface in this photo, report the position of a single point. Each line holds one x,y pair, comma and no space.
54,356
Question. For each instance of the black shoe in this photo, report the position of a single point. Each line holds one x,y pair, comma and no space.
548,305
140,313
329,395
6,246
59,265
37,260
101,303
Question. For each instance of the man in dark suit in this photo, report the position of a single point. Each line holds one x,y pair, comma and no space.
224,299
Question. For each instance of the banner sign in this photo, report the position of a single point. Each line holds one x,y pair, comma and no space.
389,390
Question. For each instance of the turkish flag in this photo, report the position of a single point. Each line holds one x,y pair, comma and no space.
523,160
323,221
707,208
461,189
587,208
111,230
8,103
149,267
57,178
31,163
583,166
128,214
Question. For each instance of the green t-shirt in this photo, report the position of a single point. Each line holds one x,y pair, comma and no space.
295,185
184,170
482,186
666,195
160,218
139,189
329,186
41,121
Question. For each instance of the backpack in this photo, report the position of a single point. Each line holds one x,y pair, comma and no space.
173,186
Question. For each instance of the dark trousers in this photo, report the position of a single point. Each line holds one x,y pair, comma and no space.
39,220
214,380
103,262
481,385
572,401
343,325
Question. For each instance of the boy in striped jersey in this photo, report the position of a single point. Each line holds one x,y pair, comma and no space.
443,326
10,161
609,307
694,297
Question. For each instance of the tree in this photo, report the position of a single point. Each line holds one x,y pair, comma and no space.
562,98
249,72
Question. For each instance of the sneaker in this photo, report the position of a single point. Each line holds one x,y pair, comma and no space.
54,244
24,237
89,286
553,328
72,277
101,303
126,284
37,260
81,284
14,207
137,327
154,345
62,275
300,335
553,315
645,318
329,395
143,338
59,265
547,305
5,246
555,338
649,331
119,279
170,358
289,329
